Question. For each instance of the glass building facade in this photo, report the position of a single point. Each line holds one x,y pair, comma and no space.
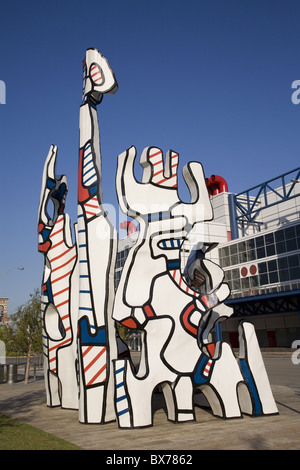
274,256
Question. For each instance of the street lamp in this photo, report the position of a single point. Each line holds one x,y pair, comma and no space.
11,269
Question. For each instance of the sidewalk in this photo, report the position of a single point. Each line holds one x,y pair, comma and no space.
280,432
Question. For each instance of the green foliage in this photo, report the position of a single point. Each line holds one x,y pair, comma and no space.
123,332
24,335
6,335
15,435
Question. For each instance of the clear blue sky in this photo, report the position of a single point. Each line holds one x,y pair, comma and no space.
208,79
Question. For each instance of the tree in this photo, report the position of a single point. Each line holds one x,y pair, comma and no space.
27,329
123,332
6,335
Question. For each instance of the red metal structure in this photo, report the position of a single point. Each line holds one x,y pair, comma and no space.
129,226
216,185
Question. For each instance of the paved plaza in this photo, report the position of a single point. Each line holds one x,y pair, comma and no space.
279,432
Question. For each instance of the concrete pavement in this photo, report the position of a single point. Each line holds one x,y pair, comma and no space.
280,432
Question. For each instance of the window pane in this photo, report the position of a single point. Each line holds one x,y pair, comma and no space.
272,266
291,244
243,257
269,239
261,253
273,276
290,232
233,249
235,274
262,268
282,263
226,250
293,261
250,247
250,244
251,255
253,281
241,247
263,279
236,284
270,250
225,262
295,273
234,259
279,236
259,241
284,275
280,247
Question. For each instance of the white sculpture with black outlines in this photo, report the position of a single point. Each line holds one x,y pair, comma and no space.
97,247
59,289
175,313
78,284
175,306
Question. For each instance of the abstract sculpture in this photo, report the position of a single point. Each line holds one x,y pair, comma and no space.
84,272
175,305
59,295
97,249
175,314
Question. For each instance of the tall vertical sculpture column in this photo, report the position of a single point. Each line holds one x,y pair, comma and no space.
97,247
59,294
79,335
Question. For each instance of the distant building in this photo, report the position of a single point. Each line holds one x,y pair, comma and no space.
3,309
258,237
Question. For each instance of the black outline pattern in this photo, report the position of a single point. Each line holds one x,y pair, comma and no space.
149,317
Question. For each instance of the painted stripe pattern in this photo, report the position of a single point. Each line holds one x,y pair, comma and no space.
62,260
156,159
94,356
96,74
92,208
83,80
178,279
185,318
171,243
85,304
121,397
94,364
207,368
175,274
89,175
